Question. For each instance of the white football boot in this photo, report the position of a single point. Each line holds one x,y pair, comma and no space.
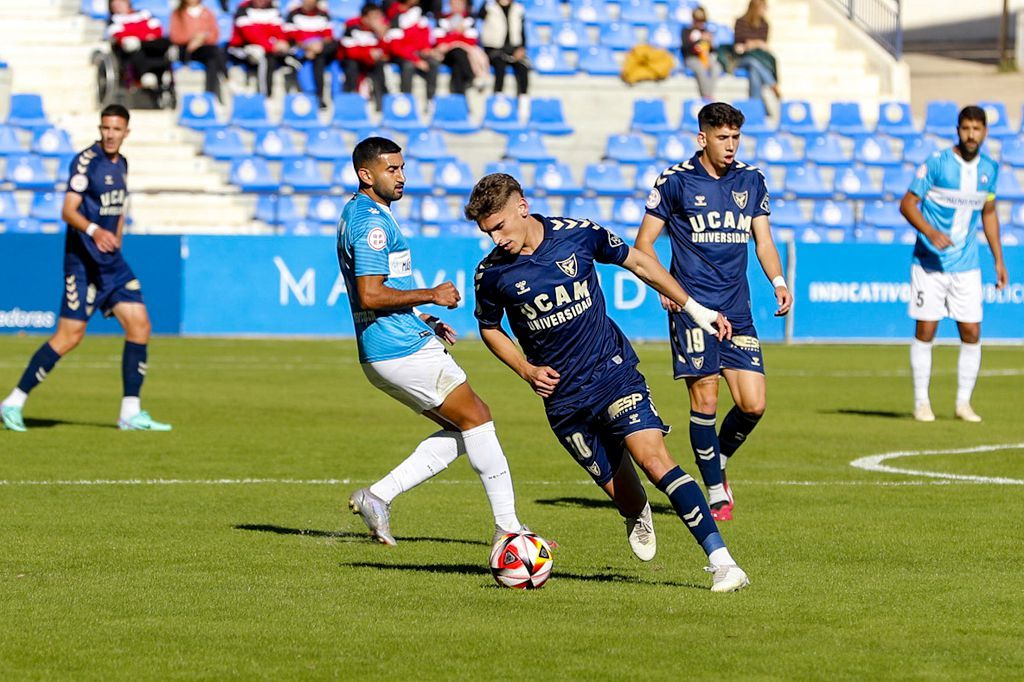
923,413
965,412
640,531
376,514
727,578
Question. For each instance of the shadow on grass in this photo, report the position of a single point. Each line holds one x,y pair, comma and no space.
481,570
888,414
589,503
308,532
32,423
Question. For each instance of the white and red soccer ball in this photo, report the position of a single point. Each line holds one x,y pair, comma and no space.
521,560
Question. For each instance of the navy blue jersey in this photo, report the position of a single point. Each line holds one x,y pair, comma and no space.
103,188
555,306
709,224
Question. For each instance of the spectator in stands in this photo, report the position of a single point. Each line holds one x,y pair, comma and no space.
194,30
457,41
752,49
411,45
503,35
699,54
138,40
308,27
258,40
363,53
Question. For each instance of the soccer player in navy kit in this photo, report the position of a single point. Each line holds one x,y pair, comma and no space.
711,206
542,276
96,275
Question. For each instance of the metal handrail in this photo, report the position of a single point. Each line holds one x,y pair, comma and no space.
880,19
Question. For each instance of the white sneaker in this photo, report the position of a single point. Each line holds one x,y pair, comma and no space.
640,531
965,412
727,578
923,413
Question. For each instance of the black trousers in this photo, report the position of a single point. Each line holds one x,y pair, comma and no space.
354,70
213,59
429,74
462,73
500,62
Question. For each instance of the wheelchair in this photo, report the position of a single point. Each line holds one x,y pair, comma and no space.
117,82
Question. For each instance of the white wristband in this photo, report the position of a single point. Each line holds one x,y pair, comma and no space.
779,281
91,230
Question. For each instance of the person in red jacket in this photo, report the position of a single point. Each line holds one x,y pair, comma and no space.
363,53
456,37
194,30
411,44
138,40
258,39
308,27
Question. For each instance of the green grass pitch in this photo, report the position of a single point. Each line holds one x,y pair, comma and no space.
855,574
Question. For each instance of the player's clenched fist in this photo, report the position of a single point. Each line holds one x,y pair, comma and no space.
445,294
106,242
543,380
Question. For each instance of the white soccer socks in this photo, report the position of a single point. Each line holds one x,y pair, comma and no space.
921,370
967,368
488,460
431,457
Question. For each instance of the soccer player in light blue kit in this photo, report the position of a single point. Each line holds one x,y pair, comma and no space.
712,205
398,351
952,195
542,276
96,276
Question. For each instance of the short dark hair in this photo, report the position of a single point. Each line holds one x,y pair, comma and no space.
490,195
719,114
972,113
118,110
370,7
370,148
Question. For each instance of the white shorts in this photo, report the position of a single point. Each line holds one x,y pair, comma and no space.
935,295
420,381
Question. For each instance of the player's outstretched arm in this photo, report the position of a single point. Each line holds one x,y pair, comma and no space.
650,229
375,295
911,210
990,223
444,331
654,274
768,256
543,380
105,241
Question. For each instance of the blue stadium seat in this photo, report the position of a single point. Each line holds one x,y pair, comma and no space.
585,208
502,114
252,174
46,207
845,119
940,119
619,36
542,205
96,9
816,234
27,112
198,111
691,108
1012,152
427,145
326,208
798,118
674,148
454,176
326,144
275,144
894,118
23,226
9,211
528,147
896,181
549,60
250,112
682,12
544,11
415,178
833,214
435,211
646,177
637,11
869,234
778,149
804,182
1008,187
300,112
590,12
875,150
606,180
826,150
569,35
303,175
917,150
534,35
1017,215
224,144
855,183
9,142
52,142
599,60
721,34
996,119
884,214
649,117
451,114
26,171
344,176
508,167
787,214
275,209
344,9
555,179
1010,235
627,214
755,116
350,112
300,228
400,113
665,34
627,149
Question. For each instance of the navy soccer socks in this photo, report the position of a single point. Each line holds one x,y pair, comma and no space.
736,426
41,364
133,368
688,501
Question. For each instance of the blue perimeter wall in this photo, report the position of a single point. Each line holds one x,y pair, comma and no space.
219,285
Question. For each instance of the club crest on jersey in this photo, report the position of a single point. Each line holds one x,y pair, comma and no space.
568,266
766,204
522,286
108,180
698,362
741,199
653,198
700,201
377,239
613,240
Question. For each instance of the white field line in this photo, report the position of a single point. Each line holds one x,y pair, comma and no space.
875,463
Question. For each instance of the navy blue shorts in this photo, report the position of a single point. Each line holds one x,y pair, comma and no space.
85,293
594,434
695,353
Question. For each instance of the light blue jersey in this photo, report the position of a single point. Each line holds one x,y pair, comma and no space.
370,243
952,193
